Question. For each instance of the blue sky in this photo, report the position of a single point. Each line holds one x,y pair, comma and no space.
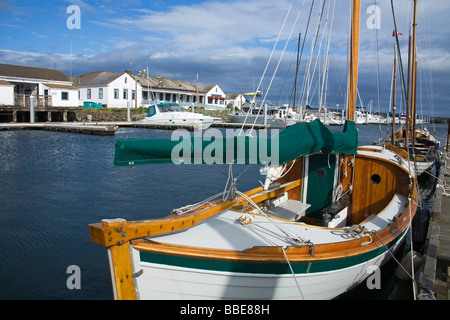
228,43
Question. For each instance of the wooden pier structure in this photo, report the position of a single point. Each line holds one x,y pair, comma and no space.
434,281
72,127
108,128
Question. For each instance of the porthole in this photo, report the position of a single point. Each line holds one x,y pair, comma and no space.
320,173
375,179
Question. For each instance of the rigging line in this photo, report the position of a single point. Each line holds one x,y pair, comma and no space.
307,80
267,65
327,61
292,271
378,76
247,225
304,40
392,255
294,238
278,65
411,249
191,207
399,55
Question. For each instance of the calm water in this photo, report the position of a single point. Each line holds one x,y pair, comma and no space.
54,184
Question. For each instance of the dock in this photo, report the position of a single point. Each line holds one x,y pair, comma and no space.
109,128
434,280
72,127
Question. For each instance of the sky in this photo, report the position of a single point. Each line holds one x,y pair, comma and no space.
229,43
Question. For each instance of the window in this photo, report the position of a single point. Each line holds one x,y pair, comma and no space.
100,93
64,95
88,95
133,94
116,93
125,94
125,79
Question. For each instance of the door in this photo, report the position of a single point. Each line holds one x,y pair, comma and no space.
321,171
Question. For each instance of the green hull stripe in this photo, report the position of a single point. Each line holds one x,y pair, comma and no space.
262,267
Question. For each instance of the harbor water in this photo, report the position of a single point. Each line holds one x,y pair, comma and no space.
53,184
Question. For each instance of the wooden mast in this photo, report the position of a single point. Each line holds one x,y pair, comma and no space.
354,50
348,160
394,95
413,72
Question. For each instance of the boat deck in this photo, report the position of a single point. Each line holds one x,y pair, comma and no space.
260,230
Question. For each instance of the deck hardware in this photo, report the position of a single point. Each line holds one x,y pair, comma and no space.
137,274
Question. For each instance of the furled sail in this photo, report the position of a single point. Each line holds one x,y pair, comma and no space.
295,141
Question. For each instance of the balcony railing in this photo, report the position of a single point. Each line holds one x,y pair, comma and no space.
23,100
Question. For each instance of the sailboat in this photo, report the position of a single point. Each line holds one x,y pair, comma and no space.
329,213
420,145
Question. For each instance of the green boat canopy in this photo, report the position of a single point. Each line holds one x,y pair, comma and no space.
210,147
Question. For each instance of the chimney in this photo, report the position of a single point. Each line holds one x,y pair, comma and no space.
128,71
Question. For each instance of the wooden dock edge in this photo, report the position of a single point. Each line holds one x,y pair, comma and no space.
434,279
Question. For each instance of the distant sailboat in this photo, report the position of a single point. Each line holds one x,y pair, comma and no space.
420,146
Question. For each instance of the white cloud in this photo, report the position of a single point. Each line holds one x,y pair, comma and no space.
229,42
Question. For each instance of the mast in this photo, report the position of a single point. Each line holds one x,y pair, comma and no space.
394,88
296,72
413,71
354,51
347,164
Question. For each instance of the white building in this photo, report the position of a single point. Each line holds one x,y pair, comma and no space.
107,89
51,88
118,90
161,90
236,100
6,93
215,97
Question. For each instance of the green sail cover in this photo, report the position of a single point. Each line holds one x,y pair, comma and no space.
210,147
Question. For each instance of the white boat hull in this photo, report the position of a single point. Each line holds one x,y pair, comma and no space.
168,282
181,120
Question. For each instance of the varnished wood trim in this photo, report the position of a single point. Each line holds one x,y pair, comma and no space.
122,272
294,253
115,232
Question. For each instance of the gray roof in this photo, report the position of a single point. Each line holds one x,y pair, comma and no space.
232,96
13,71
96,79
162,82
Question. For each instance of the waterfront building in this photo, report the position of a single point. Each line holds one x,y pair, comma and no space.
54,97
162,90
51,88
106,89
235,100
120,90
